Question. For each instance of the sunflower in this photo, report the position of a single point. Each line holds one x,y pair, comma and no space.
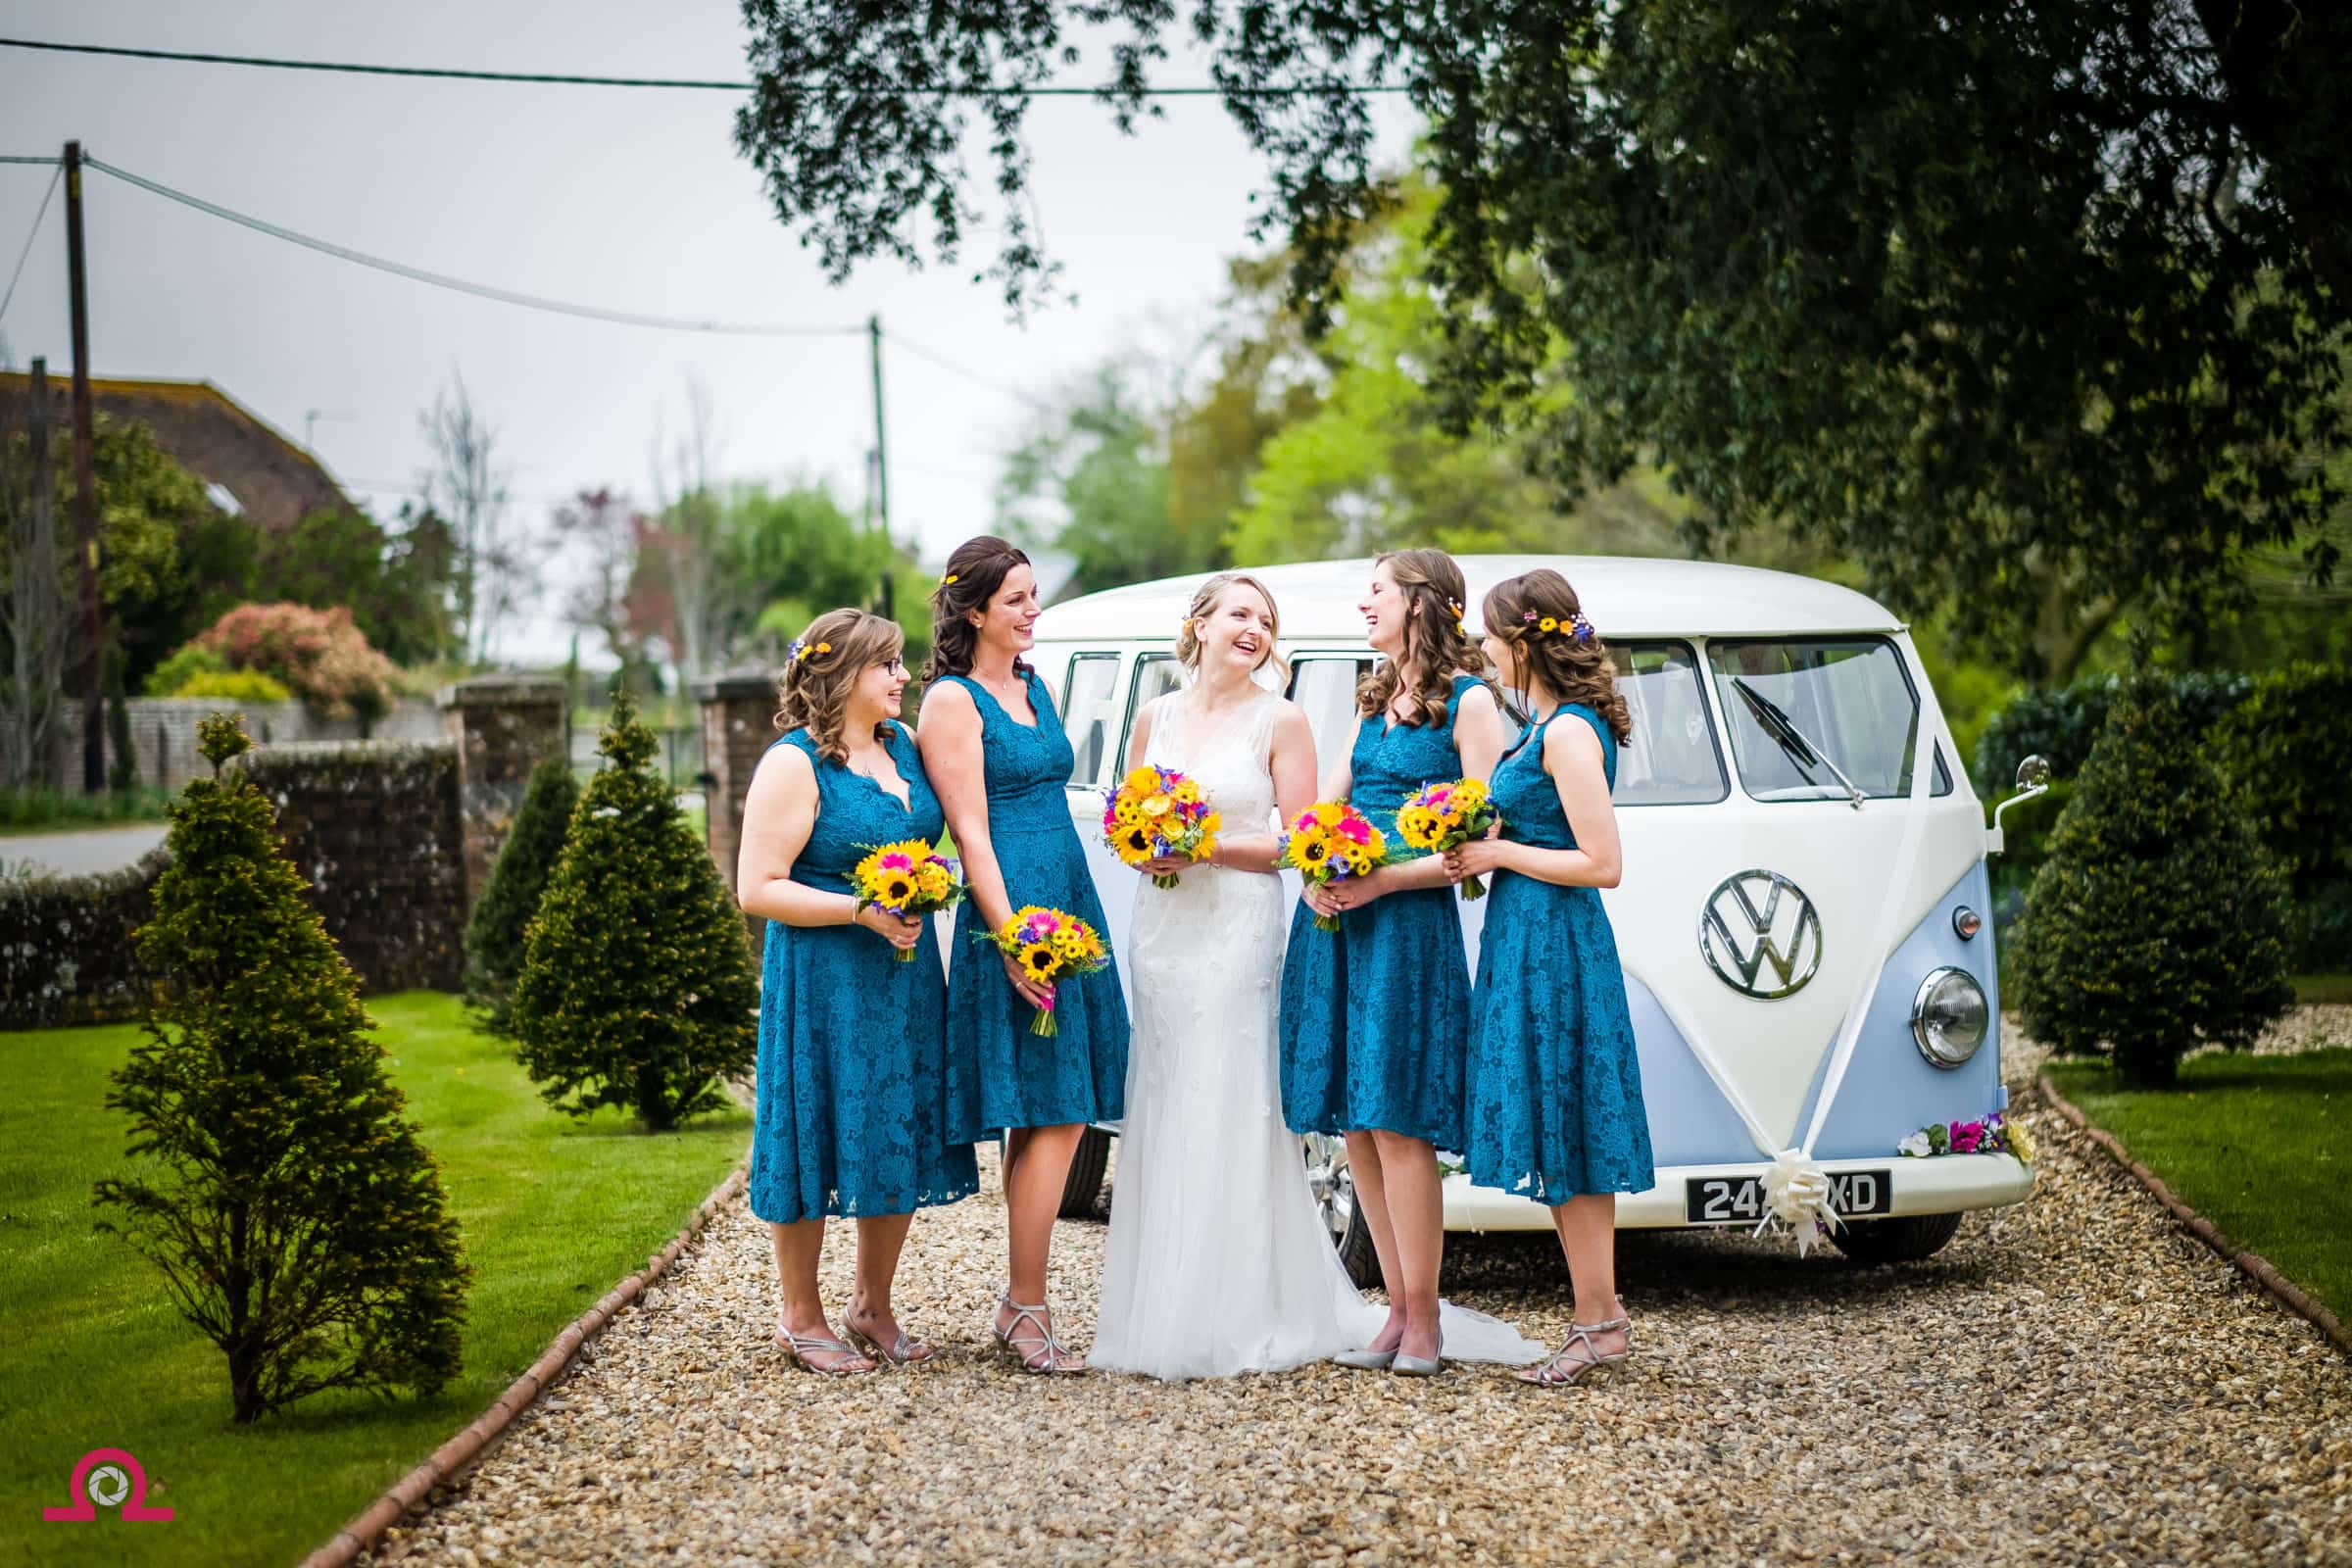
1135,842
1547,624
1039,960
897,888
1329,814
1314,852
1143,780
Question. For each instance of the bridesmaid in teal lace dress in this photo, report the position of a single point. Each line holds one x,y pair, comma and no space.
996,754
1555,1089
1375,1016
851,1116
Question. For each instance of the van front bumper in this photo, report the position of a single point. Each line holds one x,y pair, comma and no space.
1941,1184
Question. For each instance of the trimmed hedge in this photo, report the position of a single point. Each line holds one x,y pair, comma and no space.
372,827
2063,722
2286,753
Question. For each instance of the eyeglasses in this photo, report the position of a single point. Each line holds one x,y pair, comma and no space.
895,666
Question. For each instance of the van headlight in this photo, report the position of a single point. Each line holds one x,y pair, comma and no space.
1948,1016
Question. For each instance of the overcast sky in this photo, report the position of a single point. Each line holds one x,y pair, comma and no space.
627,199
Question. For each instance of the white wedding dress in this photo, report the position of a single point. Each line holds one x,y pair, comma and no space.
1217,1261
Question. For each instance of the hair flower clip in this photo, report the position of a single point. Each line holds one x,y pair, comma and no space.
1583,627
802,651
1527,619
949,581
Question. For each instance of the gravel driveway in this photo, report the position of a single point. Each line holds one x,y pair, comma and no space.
2071,1381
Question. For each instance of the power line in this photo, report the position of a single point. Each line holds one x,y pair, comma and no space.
969,374
503,296
18,158
685,83
32,234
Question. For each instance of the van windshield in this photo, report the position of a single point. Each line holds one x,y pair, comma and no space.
1850,704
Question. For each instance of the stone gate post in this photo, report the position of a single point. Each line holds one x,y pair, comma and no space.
504,726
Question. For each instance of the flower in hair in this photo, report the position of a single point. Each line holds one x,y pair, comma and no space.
949,581
1547,625
1583,627
1527,619
802,651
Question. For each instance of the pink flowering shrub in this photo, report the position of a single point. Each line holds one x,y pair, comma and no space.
319,654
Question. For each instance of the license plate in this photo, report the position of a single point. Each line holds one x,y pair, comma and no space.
1730,1200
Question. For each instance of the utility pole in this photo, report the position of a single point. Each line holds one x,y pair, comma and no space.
873,337
86,489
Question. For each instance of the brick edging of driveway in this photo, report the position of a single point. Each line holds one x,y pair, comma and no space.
365,1527
2253,1266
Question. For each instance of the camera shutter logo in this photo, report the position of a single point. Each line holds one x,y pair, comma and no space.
1760,934
103,1478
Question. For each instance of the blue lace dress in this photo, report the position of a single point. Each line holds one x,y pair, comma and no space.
1374,1016
851,1117
998,1074
1555,1089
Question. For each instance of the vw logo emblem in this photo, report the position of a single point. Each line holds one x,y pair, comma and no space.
1760,934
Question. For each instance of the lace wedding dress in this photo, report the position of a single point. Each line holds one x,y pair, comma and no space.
1217,1261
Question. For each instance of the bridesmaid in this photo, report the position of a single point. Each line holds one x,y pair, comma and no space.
1375,1015
996,750
1556,1090
850,1120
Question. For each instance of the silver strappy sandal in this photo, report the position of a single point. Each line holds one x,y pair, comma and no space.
1565,1366
801,1347
1039,1353
904,1351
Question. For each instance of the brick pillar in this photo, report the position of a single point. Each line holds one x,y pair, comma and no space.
739,721
504,726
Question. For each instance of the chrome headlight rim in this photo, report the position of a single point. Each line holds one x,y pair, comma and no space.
1926,1032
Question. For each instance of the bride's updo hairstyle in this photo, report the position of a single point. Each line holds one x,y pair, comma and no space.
1539,617
975,571
1436,648
1205,605
823,665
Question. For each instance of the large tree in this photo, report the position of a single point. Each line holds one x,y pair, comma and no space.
2032,306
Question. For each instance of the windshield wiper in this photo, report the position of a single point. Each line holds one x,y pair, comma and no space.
1802,750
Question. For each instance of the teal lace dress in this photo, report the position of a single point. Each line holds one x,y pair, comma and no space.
998,1074
1375,1015
851,1117
1555,1087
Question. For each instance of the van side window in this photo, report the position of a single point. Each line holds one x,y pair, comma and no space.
1156,676
1085,697
1323,685
1672,758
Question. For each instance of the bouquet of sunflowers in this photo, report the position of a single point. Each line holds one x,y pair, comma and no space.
1331,842
1050,947
910,879
1447,816
1158,812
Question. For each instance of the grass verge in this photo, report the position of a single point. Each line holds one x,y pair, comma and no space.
2259,1144
552,1211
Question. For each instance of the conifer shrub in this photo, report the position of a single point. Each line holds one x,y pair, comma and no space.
494,937
282,1191
2158,922
636,989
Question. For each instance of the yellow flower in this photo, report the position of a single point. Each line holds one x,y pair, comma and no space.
1159,805
1143,781
1134,843
1213,823
1311,852
1548,623
1330,813
1039,960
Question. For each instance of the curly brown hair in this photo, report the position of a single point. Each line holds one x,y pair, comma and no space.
1436,648
975,571
826,660
1205,600
1567,654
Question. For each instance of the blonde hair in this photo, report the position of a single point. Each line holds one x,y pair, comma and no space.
1570,658
1436,648
825,662
1205,600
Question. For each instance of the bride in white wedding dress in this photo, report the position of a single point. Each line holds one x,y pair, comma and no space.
1218,1262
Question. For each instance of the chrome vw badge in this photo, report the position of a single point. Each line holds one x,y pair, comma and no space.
1754,919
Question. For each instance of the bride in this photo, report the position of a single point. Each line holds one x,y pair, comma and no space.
1217,1261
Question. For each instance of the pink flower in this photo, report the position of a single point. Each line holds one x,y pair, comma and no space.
897,862
1357,830
1966,1136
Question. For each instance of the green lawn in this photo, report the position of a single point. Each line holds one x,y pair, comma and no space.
2260,1144
552,1211
2315,990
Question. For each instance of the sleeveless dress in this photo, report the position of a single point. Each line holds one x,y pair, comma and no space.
1375,1015
1555,1087
1217,1261
998,1074
850,1117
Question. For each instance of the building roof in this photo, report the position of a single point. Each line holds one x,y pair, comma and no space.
1625,596
275,482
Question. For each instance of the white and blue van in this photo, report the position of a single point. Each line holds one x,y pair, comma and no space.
1804,862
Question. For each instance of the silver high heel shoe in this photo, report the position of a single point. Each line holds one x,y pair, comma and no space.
1366,1360
1039,1353
1579,1357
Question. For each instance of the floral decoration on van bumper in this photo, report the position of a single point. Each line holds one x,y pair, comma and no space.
1994,1135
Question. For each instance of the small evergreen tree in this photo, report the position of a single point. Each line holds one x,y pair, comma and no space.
296,1218
636,989
494,938
2157,923
122,768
